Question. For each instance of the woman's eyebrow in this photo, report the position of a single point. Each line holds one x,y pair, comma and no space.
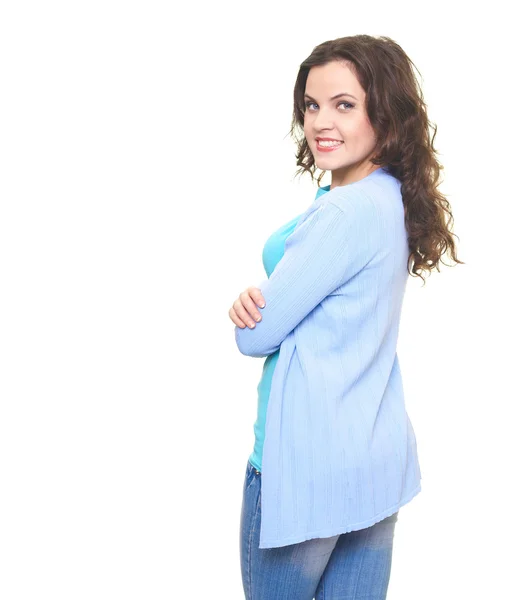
333,97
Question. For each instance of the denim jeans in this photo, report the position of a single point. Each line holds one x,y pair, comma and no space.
349,566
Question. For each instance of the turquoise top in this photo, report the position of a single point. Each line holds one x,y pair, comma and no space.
339,451
273,251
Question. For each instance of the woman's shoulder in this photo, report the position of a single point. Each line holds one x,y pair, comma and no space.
376,196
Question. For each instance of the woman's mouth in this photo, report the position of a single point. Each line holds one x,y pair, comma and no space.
326,146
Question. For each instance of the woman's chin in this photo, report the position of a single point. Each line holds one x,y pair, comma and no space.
322,163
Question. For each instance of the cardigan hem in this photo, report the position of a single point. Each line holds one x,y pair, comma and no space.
332,531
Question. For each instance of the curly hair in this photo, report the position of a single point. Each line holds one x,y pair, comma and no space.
397,112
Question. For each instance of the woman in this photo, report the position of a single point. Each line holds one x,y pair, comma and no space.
335,454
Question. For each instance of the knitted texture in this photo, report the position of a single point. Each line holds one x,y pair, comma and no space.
339,452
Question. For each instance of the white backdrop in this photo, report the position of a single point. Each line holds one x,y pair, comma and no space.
144,162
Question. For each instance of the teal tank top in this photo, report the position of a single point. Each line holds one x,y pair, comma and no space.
273,251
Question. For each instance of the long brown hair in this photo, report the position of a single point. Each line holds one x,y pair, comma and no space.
397,113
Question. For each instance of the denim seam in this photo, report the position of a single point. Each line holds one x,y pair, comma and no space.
251,482
362,560
249,549
322,591
323,577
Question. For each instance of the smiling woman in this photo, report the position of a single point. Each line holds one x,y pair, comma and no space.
335,454
339,133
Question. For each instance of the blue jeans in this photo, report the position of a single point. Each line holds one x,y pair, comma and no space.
349,566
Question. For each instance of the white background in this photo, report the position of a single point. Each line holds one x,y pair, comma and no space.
144,162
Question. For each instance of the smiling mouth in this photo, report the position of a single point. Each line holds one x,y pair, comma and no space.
327,146
328,142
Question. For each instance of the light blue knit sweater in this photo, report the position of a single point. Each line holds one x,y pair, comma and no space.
339,452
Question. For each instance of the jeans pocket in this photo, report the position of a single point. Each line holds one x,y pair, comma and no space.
250,476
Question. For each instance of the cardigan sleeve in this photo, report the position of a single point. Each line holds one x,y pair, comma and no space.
330,246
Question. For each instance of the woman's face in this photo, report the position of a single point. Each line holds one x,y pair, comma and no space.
331,113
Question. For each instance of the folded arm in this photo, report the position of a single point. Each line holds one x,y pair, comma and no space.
331,245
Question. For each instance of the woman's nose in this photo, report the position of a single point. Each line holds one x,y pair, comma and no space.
323,120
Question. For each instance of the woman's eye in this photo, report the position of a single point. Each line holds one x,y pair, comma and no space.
347,104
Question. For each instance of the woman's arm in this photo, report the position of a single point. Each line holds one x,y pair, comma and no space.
328,248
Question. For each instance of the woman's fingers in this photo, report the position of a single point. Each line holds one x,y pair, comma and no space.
256,294
244,308
242,313
249,304
234,317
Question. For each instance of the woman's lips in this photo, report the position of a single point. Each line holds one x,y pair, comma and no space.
328,148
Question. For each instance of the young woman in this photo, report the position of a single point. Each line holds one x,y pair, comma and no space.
335,454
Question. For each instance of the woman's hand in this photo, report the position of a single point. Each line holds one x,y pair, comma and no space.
244,307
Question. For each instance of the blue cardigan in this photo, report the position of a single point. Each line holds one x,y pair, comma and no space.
273,251
339,451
